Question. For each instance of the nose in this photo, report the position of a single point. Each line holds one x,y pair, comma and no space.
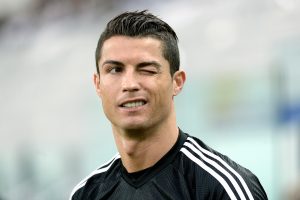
130,82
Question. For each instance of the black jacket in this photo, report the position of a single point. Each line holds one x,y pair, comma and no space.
189,171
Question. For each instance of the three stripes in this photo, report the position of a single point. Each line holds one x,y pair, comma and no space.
208,161
205,159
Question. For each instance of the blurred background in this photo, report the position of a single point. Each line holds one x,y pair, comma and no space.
242,95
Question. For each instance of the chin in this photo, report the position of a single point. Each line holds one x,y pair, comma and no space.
134,127
137,126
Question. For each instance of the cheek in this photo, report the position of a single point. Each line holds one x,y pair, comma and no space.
107,87
165,93
107,95
107,103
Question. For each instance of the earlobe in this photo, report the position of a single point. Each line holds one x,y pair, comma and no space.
178,82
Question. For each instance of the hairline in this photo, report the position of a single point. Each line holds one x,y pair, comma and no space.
154,36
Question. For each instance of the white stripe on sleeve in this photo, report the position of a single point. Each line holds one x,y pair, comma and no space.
212,172
98,171
225,164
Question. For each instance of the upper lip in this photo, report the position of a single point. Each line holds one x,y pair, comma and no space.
122,102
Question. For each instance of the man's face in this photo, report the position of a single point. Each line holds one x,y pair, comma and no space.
135,84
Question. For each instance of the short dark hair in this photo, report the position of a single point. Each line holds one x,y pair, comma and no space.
143,24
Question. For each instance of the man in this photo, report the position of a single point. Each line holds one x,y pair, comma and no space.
137,78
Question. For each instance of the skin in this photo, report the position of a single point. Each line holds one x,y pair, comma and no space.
134,70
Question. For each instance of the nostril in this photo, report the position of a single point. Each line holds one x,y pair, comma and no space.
130,89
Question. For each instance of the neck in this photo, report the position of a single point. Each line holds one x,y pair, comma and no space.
140,149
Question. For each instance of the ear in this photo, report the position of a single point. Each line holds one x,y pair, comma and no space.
178,82
97,83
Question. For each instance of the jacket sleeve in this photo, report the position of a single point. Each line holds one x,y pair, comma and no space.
257,189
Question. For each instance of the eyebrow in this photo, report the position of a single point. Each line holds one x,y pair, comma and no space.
140,65
147,63
112,62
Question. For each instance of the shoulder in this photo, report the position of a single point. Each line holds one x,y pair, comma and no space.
102,170
219,170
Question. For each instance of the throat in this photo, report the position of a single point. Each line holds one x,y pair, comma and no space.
141,150
140,155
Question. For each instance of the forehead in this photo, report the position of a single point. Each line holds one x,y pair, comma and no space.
146,40
121,47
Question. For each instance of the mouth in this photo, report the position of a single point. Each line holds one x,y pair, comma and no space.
133,104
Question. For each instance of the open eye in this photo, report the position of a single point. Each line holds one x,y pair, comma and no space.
115,69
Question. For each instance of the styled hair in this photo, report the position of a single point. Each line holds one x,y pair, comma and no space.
142,24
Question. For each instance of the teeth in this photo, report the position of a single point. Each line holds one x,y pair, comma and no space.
133,104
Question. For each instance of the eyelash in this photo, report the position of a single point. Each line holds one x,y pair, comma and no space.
149,71
118,69
114,69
